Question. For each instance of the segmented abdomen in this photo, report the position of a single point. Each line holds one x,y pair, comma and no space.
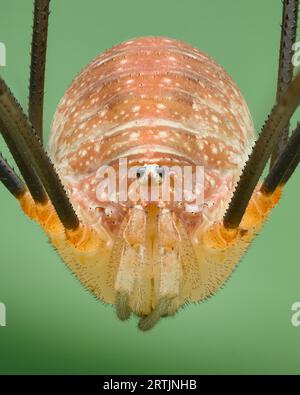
148,98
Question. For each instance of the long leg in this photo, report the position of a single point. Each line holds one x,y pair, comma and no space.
284,165
277,121
10,179
18,130
36,96
291,168
285,67
38,63
31,179
274,134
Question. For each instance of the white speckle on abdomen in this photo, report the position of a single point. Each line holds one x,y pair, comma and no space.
145,97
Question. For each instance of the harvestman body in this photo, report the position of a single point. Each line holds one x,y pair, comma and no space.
156,102
151,100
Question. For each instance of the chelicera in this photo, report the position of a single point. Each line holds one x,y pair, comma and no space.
158,103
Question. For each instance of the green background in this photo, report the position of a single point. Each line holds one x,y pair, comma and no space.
53,324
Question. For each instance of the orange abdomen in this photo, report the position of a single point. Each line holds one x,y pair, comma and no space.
151,100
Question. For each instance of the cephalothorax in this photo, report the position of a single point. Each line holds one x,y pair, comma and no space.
157,104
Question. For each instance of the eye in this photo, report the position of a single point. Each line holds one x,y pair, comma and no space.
140,172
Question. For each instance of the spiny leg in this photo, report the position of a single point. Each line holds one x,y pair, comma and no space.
32,181
25,144
8,176
284,165
38,64
56,215
17,129
11,180
291,168
276,122
274,135
285,66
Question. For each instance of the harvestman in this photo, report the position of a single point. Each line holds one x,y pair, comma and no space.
154,101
